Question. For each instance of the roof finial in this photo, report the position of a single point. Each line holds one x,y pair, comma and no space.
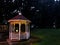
19,12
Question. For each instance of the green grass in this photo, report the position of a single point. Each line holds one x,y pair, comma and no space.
48,36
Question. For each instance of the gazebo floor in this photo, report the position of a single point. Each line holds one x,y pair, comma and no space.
21,42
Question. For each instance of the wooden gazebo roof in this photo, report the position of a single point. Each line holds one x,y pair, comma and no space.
18,17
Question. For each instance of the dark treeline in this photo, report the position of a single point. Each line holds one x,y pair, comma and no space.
42,13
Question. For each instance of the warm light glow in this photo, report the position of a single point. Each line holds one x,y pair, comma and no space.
16,30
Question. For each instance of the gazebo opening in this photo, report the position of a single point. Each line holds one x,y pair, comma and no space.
22,27
16,27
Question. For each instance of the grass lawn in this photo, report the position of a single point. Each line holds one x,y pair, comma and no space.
48,36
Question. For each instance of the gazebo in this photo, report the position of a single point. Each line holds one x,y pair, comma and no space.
19,28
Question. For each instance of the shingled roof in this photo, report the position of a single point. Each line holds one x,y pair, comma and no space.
19,17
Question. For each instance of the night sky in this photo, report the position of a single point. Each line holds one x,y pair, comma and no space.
42,13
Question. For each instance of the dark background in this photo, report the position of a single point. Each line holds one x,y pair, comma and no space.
42,13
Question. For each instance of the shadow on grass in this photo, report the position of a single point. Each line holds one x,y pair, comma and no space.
35,39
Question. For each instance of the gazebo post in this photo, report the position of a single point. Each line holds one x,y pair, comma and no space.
27,31
10,31
26,27
19,30
14,25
